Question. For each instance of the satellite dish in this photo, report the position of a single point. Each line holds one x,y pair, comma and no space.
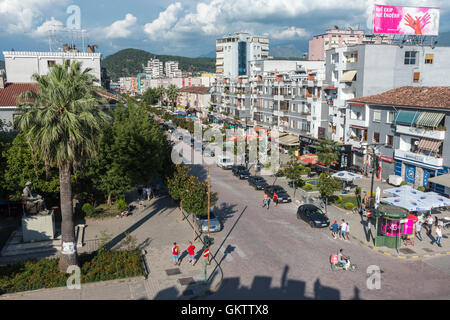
416,142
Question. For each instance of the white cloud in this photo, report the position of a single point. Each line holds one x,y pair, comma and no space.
22,16
121,28
164,22
42,30
291,33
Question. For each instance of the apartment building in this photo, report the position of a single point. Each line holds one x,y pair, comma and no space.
21,65
368,69
155,68
128,84
413,125
196,98
172,70
273,97
337,38
234,52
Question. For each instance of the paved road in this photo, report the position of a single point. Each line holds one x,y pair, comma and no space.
269,254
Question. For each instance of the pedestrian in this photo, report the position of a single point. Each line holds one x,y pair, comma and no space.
342,229
175,252
266,201
347,231
430,224
191,251
438,233
334,229
149,193
418,230
275,199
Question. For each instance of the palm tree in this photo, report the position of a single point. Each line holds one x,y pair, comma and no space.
328,152
63,120
172,93
160,92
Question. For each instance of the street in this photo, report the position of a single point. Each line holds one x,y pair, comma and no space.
269,254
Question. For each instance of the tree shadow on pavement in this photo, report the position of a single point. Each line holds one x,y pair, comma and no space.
225,211
262,289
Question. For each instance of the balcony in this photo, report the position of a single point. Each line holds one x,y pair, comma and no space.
431,134
417,158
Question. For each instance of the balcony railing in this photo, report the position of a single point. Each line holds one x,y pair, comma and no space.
432,134
430,161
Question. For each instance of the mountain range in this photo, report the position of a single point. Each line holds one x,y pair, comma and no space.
129,62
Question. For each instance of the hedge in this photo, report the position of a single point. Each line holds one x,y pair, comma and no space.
349,206
98,266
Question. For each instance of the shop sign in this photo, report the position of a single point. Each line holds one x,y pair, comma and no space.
357,150
386,159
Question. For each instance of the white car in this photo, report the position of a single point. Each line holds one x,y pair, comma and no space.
225,162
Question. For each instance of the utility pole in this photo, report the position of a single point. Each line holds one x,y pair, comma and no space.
209,200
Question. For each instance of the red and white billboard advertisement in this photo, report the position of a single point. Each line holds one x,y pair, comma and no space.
406,20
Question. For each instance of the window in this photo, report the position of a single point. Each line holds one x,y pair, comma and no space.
51,63
410,57
389,141
429,58
377,116
416,77
390,117
414,145
376,137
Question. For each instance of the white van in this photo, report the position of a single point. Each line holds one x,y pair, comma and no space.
224,162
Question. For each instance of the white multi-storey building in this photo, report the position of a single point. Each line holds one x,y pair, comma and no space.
234,52
155,68
21,65
172,70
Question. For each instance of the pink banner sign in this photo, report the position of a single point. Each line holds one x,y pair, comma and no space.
406,20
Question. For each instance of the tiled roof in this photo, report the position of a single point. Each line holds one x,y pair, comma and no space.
422,97
111,98
8,95
196,89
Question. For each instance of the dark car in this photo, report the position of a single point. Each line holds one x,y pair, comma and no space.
243,174
259,183
236,169
313,215
282,194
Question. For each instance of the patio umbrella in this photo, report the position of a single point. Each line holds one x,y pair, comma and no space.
435,200
347,176
378,197
407,203
404,191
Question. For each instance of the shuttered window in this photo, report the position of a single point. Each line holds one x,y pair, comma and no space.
429,58
416,78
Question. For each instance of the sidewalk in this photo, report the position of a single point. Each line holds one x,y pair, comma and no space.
156,228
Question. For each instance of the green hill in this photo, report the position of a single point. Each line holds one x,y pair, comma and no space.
2,64
128,63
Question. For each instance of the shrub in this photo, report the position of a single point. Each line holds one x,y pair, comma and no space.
308,187
358,191
89,210
404,183
421,188
337,199
349,206
121,205
280,173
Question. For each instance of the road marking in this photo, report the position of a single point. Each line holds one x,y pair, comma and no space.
375,249
228,257
415,257
401,257
387,253
240,252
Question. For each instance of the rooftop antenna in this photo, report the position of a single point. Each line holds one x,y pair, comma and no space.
61,39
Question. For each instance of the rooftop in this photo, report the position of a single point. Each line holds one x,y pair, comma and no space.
9,95
422,97
196,89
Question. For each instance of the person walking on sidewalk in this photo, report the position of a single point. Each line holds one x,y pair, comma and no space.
191,251
275,199
347,231
438,233
430,224
418,230
175,253
266,201
334,229
342,229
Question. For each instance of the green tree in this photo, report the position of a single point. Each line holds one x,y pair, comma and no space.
293,172
63,121
23,164
327,187
150,96
178,182
160,92
5,144
172,94
328,152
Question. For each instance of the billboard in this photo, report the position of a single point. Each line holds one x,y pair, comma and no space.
406,20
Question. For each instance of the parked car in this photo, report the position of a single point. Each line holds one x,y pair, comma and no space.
313,215
224,162
214,223
242,173
282,194
236,169
259,183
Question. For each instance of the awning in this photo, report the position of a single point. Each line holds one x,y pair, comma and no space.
358,127
430,119
348,76
407,118
443,180
330,88
429,144
289,140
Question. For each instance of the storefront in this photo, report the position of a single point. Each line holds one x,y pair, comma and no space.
387,167
357,157
308,145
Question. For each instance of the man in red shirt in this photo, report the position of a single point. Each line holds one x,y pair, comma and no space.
191,252
175,252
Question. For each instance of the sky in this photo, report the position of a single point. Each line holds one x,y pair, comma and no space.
187,27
